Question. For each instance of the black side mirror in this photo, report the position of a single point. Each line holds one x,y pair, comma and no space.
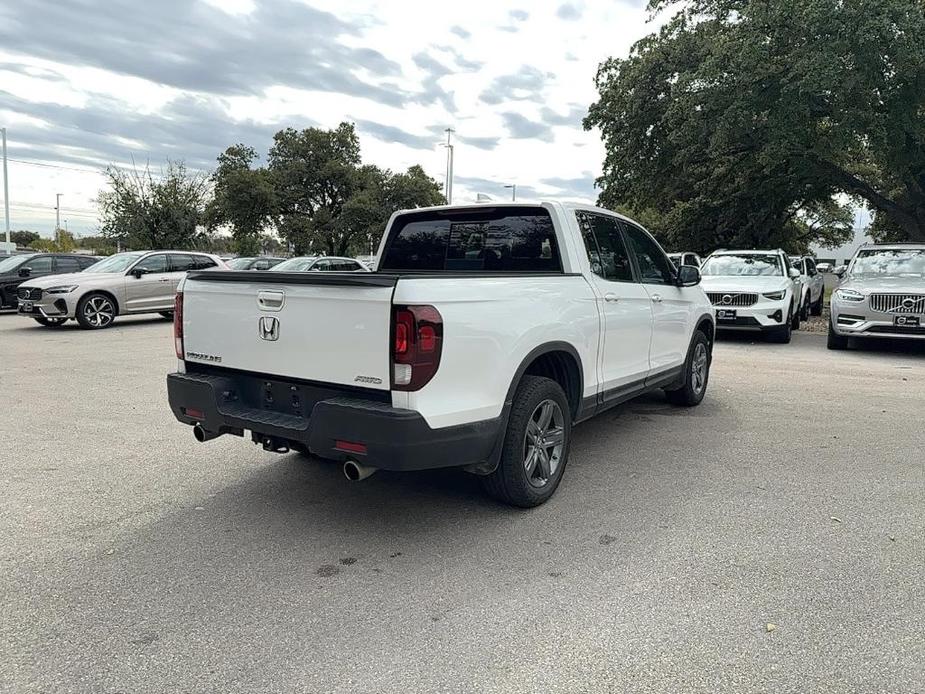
688,276
138,272
25,271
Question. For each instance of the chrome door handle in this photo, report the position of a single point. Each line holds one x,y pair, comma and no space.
611,297
657,298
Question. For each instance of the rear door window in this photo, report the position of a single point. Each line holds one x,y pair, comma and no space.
181,262
203,262
604,243
65,264
508,239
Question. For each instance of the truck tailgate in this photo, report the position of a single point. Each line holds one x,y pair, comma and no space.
325,327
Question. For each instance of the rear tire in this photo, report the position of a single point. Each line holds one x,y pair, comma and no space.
836,341
96,311
696,374
816,308
536,445
49,322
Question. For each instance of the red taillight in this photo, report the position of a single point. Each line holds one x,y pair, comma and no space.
418,342
178,324
404,326
195,414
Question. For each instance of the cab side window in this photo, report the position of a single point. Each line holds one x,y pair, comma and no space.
654,266
153,264
604,243
811,267
40,265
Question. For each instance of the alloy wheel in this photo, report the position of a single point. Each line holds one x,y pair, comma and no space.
543,443
99,311
699,368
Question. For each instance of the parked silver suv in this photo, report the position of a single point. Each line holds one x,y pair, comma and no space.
882,294
133,282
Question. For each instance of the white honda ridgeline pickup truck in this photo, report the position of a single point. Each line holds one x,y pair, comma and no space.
483,336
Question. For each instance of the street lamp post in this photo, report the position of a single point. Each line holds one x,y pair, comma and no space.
513,187
6,193
57,216
448,188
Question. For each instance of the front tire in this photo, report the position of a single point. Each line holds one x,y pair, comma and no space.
804,311
784,333
795,318
696,374
836,341
536,445
96,311
49,322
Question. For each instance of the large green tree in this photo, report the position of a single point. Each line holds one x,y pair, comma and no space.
242,199
145,211
327,201
753,122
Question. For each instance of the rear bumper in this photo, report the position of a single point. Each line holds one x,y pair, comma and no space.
394,438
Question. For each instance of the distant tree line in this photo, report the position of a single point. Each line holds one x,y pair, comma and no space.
314,196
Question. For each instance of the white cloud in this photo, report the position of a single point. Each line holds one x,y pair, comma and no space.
537,60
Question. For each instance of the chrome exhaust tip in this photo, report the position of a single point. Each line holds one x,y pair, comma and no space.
202,435
356,472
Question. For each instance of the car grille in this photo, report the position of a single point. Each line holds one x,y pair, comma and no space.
732,299
898,303
29,294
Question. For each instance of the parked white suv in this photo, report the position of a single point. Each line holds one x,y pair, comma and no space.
484,335
131,282
813,286
754,290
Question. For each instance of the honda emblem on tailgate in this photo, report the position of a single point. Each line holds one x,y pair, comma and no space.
268,328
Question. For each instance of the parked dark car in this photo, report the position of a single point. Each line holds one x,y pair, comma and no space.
261,263
16,269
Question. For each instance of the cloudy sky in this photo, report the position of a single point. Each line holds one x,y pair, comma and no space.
87,82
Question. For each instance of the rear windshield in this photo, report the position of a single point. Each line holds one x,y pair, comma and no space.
508,239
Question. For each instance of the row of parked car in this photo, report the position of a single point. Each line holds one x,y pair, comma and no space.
881,292
53,288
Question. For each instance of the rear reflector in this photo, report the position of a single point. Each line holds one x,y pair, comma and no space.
350,447
195,414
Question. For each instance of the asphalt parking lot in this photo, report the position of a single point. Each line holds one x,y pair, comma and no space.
772,539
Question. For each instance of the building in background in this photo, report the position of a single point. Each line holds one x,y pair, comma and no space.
842,254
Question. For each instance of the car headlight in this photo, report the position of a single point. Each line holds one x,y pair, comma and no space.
849,295
63,289
775,296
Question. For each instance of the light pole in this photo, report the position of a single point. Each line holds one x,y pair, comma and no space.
448,188
513,187
57,215
6,194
